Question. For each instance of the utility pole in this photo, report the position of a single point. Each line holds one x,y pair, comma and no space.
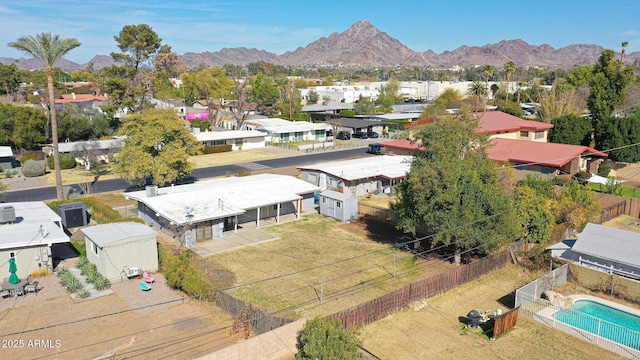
291,102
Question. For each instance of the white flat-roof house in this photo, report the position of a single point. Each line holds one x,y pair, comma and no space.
100,150
28,231
283,131
6,157
377,174
238,139
204,210
117,247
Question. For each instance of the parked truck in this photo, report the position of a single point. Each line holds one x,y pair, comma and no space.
376,148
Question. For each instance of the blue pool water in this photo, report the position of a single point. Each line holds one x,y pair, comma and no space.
613,324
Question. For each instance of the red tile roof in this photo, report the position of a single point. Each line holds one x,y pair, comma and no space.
493,122
80,98
533,152
519,151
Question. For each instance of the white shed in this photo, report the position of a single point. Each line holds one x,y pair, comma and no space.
117,247
342,207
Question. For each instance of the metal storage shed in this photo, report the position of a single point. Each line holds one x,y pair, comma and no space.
342,207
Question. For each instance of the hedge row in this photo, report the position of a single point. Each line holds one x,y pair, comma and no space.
100,212
215,149
180,275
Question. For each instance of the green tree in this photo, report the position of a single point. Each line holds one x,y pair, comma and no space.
9,79
575,206
617,133
390,94
208,84
313,97
452,187
29,129
556,103
450,98
364,106
608,86
265,93
49,49
322,339
138,44
580,75
157,146
571,129
533,214
478,90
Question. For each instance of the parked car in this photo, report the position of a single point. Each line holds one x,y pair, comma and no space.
343,135
373,134
376,148
360,134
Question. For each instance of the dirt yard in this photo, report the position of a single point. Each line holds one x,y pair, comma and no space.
126,324
432,329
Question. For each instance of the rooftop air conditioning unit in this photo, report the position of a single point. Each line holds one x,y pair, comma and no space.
133,271
7,214
152,190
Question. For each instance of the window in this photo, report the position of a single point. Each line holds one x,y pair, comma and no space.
339,204
275,207
524,134
324,199
333,183
94,248
299,136
539,134
204,231
238,142
320,134
284,137
313,178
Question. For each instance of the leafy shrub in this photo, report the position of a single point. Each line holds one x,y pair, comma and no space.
33,168
82,261
325,339
67,161
92,274
181,275
72,284
28,156
41,272
215,149
604,170
9,173
101,283
62,271
84,293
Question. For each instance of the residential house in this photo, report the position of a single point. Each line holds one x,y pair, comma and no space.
370,175
357,124
114,248
6,157
98,150
206,209
238,139
29,232
606,249
522,144
284,131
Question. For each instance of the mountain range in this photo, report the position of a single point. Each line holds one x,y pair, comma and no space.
365,45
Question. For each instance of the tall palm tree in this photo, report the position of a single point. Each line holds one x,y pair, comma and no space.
478,90
48,49
624,45
487,71
509,67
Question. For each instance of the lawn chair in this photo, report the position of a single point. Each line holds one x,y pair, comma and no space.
145,286
148,278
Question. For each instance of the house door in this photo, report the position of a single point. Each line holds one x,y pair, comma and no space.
204,231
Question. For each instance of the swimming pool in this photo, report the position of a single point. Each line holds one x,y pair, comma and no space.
605,321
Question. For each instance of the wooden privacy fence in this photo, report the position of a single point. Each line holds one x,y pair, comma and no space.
505,322
389,303
612,211
260,321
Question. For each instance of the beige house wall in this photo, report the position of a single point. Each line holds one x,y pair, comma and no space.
114,259
28,260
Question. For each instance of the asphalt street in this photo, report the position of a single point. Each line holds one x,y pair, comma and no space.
110,185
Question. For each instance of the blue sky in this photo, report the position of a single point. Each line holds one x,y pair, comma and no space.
279,26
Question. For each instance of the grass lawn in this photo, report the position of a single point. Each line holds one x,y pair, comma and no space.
231,157
435,332
313,249
626,190
382,201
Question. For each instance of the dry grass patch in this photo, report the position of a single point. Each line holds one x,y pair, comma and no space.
435,332
79,174
624,222
230,157
382,201
314,256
